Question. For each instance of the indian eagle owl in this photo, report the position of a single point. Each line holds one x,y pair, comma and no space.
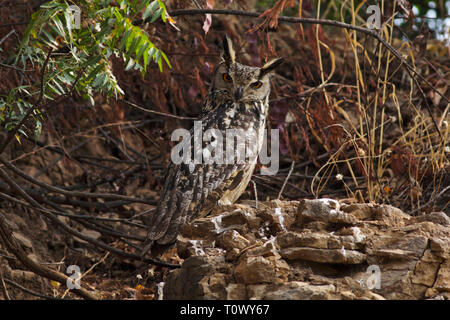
238,98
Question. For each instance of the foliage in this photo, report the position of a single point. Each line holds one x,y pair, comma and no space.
81,54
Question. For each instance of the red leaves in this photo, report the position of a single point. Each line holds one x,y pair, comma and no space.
200,83
273,13
403,161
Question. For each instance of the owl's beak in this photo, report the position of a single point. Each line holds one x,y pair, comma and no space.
238,93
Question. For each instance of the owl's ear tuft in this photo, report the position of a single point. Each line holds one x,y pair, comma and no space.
269,66
228,55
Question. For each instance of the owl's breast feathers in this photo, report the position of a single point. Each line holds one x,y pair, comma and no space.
194,190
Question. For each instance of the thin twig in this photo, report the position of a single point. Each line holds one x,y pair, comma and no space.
4,289
256,194
7,36
286,180
33,293
110,196
157,112
443,191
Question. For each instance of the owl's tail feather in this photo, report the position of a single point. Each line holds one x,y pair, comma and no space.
165,223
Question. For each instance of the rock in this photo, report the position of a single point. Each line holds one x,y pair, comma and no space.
232,254
187,248
435,217
236,291
198,278
443,277
24,241
240,217
341,256
369,295
282,269
325,210
232,239
361,211
276,218
256,291
403,247
302,291
253,270
394,254
267,249
89,233
316,240
440,247
295,250
426,269
391,216
201,228
294,239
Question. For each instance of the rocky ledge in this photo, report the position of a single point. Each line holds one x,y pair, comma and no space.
313,249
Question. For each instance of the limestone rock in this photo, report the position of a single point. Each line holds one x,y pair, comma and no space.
198,278
236,291
302,291
325,210
232,239
254,270
435,217
341,256
295,250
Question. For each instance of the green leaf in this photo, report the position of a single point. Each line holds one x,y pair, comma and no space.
160,65
124,40
50,5
166,59
59,26
99,80
92,61
156,15
157,56
150,9
95,72
134,44
141,5
130,64
54,89
142,47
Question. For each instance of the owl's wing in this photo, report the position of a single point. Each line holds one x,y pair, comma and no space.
185,193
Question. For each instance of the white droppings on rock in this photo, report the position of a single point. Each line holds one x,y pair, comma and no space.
280,218
344,253
331,203
198,247
359,237
217,223
160,287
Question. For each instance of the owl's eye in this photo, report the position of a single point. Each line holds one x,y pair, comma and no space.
256,84
227,77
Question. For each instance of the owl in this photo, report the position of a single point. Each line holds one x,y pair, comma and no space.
238,98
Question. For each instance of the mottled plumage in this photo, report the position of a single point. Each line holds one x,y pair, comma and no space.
237,99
